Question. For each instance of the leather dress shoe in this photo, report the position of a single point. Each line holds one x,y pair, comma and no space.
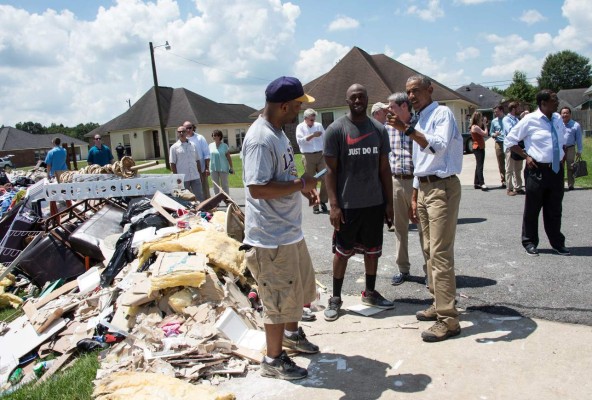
562,251
531,250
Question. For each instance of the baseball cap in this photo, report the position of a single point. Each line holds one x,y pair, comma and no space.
286,88
378,106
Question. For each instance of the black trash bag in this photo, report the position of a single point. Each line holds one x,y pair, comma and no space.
135,207
150,220
88,345
123,255
23,181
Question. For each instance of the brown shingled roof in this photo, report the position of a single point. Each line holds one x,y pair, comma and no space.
380,74
15,139
178,105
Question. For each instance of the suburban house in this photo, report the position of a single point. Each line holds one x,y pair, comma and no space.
485,98
382,76
28,148
138,129
580,102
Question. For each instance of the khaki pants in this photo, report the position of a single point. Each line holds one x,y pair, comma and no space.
286,280
402,191
501,160
513,172
570,156
313,163
437,209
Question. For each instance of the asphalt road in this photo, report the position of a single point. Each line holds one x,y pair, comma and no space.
494,273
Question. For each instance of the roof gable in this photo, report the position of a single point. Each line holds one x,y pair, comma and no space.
15,139
572,97
484,97
381,75
178,105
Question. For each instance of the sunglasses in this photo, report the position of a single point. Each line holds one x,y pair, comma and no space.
180,131
97,138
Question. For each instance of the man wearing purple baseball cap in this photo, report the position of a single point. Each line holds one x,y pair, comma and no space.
276,252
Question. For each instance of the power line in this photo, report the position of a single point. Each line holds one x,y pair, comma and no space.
216,68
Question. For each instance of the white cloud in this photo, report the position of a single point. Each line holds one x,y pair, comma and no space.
528,63
319,59
467,53
576,36
421,61
58,68
532,17
473,2
342,22
432,12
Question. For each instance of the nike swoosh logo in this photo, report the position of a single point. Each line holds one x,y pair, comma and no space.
351,141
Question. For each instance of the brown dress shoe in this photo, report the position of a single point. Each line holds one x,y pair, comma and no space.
511,193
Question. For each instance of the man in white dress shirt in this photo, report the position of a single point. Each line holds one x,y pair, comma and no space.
203,150
543,134
309,136
437,158
184,159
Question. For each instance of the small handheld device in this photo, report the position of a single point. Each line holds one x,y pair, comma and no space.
320,173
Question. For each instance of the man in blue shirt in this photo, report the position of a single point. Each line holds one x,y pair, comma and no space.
496,131
99,154
56,158
513,167
437,159
573,137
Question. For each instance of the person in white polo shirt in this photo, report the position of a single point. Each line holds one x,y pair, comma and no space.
309,136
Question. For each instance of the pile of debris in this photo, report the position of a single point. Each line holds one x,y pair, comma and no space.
158,284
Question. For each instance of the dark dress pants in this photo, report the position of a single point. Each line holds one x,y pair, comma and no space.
479,160
544,189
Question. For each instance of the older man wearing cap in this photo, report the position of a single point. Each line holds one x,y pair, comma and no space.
309,136
379,111
276,253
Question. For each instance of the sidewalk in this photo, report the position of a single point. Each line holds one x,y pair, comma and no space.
383,357
495,357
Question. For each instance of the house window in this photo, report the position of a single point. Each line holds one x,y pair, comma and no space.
240,137
327,119
40,155
225,136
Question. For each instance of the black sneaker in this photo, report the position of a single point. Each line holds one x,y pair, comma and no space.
375,299
283,368
531,250
399,278
332,312
562,251
324,208
299,342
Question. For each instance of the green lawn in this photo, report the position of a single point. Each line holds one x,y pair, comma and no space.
74,383
234,180
586,181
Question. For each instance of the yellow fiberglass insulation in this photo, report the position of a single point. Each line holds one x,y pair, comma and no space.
148,386
221,250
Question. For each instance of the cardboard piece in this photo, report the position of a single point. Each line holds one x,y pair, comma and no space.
21,339
89,281
161,202
364,310
232,326
139,291
67,287
41,319
178,269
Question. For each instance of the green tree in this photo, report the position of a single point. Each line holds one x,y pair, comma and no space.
498,90
32,127
520,89
565,70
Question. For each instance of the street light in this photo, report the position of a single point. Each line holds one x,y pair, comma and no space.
167,46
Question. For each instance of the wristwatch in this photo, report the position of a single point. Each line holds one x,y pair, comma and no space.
410,131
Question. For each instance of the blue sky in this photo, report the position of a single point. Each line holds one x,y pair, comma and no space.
72,61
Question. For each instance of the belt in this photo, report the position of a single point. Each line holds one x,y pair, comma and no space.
568,147
433,178
403,176
314,152
544,165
